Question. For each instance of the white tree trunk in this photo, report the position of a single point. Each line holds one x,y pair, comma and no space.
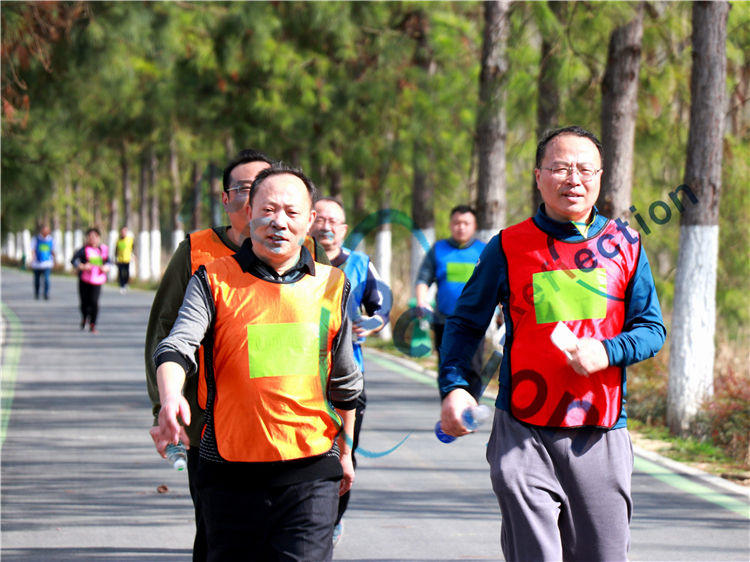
177,237
77,240
112,244
418,252
693,318
694,315
26,245
57,237
144,256
382,260
19,246
68,249
10,245
485,235
155,254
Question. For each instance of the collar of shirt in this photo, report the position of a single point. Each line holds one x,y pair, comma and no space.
340,258
567,231
252,264
455,244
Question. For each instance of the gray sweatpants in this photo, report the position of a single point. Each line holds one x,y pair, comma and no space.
563,494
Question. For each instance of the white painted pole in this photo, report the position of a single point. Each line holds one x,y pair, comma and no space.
144,256
155,262
382,260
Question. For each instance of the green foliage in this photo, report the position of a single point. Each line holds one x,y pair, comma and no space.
647,390
725,419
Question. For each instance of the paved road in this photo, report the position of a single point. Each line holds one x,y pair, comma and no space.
80,477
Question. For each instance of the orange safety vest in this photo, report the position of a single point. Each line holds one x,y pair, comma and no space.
582,284
269,363
205,247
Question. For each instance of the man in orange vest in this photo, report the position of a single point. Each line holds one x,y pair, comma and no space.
560,455
282,383
199,248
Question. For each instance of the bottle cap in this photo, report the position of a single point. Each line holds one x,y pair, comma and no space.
180,464
481,413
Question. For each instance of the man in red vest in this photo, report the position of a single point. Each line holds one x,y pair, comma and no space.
282,383
560,455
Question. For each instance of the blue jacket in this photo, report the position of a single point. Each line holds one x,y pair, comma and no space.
367,291
643,334
450,266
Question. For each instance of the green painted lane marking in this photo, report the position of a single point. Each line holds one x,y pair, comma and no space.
643,465
415,375
691,487
11,356
410,373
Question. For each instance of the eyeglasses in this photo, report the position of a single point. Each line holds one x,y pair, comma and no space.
240,189
562,171
322,220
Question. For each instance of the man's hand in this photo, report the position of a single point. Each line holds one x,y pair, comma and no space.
174,408
589,356
345,449
161,441
453,406
423,303
365,326
170,377
348,467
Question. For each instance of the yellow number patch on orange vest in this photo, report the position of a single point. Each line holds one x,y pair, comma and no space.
282,349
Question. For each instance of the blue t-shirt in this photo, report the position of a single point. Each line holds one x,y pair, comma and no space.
43,247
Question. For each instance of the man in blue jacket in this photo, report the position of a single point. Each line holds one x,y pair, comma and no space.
369,294
450,263
560,455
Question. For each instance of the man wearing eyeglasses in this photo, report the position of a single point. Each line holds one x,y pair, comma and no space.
200,248
560,455
368,292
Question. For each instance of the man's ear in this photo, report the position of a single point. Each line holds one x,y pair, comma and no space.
313,214
224,199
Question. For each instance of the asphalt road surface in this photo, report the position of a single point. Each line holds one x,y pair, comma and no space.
80,475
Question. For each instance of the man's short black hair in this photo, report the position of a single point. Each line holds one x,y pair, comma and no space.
550,134
243,157
280,168
93,229
332,200
461,209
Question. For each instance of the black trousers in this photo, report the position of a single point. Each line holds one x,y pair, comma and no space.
123,273
200,550
284,523
359,415
476,360
89,295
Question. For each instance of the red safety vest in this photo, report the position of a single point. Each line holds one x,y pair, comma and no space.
269,364
582,284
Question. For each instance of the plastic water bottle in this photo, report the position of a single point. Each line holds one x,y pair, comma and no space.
472,417
177,455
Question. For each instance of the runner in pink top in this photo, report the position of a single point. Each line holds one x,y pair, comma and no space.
92,264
